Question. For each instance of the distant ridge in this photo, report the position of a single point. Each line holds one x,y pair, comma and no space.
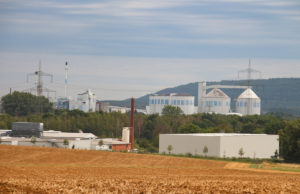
277,94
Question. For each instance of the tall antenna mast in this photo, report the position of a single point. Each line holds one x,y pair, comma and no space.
66,78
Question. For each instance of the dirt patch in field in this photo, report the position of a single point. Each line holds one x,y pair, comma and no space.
52,170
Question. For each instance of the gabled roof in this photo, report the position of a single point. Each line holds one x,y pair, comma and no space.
172,94
216,93
248,93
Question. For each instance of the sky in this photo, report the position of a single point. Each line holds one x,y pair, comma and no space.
130,48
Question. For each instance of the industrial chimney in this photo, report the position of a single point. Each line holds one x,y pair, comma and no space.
132,124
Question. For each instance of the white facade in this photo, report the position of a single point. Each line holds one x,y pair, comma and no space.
221,144
85,101
80,144
248,103
122,110
126,134
216,101
183,101
51,134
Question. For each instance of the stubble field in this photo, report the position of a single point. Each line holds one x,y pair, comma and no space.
52,170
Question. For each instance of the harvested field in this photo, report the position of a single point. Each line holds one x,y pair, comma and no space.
50,170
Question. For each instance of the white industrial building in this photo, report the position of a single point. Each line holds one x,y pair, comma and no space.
58,139
51,134
220,144
183,101
86,102
216,101
248,103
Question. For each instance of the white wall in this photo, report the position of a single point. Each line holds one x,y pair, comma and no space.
254,145
207,104
126,134
81,144
183,144
248,106
187,107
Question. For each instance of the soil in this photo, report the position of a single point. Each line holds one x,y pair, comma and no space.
57,170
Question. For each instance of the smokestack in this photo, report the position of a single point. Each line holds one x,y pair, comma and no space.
132,123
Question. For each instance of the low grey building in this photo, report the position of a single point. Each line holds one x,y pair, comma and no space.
220,144
27,129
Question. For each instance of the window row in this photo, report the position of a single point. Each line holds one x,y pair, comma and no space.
245,104
173,102
215,103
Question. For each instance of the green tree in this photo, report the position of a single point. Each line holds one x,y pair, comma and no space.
33,140
143,143
172,111
66,143
170,148
276,154
205,150
100,143
189,128
289,140
22,104
241,152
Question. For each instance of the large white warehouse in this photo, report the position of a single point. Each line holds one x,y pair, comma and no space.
248,103
183,101
220,144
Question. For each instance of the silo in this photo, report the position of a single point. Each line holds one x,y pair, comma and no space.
125,134
216,101
248,103
201,95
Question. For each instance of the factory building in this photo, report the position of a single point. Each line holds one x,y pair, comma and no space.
62,103
102,106
51,134
86,102
220,144
24,133
248,103
184,101
216,101
27,129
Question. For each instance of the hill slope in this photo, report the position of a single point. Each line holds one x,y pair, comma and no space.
277,94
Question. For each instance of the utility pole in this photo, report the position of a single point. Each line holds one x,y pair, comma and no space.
249,71
39,82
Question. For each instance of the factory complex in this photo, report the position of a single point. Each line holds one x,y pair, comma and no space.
215,101
211,99
26,134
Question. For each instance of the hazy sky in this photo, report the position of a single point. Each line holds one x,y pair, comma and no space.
126,48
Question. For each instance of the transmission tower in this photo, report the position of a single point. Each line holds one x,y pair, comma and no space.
249,71
39,89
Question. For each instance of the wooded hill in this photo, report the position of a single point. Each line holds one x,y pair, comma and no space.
277,94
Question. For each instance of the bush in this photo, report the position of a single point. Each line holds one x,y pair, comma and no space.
189,154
